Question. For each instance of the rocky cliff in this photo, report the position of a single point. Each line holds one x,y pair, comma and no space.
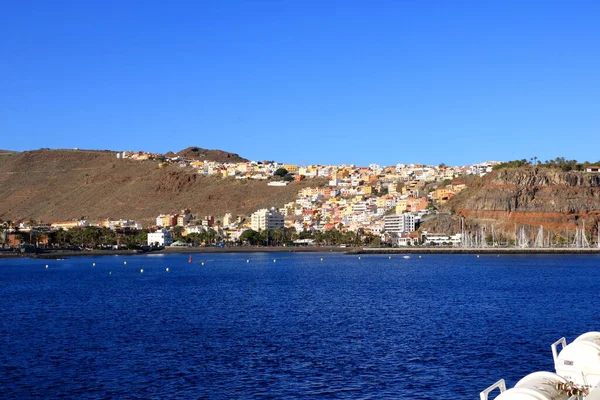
529,196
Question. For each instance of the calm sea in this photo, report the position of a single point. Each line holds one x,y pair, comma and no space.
286,325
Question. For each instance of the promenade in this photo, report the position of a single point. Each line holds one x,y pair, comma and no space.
306,249
483,250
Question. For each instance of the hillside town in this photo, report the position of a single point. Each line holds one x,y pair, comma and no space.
371,205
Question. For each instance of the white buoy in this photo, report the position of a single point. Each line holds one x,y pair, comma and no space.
167,269
274,260
359,258
202,263
46,266
321,258
141,271
477,255
110,272
124,262
247,261
93,264
419,256
390,257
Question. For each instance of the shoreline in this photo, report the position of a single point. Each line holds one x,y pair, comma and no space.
50,254
482,250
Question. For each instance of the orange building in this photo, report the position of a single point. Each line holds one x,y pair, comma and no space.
416,205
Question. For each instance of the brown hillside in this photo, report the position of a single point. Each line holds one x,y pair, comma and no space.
55,185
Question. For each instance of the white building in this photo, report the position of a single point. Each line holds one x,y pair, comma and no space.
122,223
266,219
400,223
360,207
441,239
228,219
161,237
193,229
401,240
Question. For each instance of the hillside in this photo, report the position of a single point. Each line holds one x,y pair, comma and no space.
528,196
198,153
55,185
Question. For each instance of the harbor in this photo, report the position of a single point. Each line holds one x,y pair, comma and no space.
475,250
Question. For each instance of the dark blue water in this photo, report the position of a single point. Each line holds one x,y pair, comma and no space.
440,327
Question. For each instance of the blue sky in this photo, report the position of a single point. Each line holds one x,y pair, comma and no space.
305,81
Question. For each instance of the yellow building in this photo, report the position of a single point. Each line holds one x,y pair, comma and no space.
291,168
394,188
66,225
401,206
442,195
167,220
302,171
348,210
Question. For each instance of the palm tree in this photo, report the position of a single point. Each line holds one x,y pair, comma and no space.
177,232
278,236
227,237
211,235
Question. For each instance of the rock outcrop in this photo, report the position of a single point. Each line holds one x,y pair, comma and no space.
198,153
529,196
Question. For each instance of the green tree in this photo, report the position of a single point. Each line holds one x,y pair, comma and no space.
280,172
194,238
177,232
305,235
135,240
108,237
211,236
278,236
251,237
291,234
430,207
